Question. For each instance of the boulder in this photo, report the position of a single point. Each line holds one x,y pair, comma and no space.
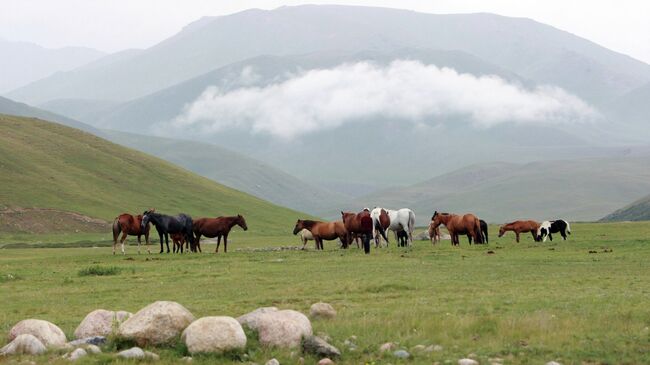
132,353
77,354
467,362
326,361
48,333
158,323
93,349
319,347
553,363
281,328
272,362
388,346
322,310
251,319
24,344
100,322
151,356
401,354
214,335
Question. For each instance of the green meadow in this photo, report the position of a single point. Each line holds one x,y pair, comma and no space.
582,301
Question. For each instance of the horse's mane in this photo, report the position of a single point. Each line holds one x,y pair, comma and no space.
307,223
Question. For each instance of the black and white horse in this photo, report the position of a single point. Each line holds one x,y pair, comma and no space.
547,228
166,224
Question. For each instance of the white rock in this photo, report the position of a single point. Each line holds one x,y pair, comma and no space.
214,335
158,323
467,362
132,353
77,354
419,348
273,362
48,333
151,356
24,344
322,310
437,348
100,323
92,349
388,346
281,328
326,361
186,359
251,319
553,363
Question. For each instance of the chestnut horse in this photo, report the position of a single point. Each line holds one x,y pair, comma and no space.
361,224
322,231
130,225
520,227
468,224
434,233
217,227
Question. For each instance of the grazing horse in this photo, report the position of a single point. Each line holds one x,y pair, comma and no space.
166,224
129,225
379,216
468,224
434,234
402,220
217,227
547,228
520,227
322,231
361,224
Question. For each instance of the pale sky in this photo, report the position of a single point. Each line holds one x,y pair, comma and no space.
113,25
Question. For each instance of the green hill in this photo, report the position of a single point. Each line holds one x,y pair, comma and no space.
47,165
637,211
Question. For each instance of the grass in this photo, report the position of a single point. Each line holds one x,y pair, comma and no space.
527,303
47,165
100,271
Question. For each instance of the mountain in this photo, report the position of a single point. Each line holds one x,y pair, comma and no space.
48,165
636,211
581,189
234,170
530,49
22,63
219,164
633,110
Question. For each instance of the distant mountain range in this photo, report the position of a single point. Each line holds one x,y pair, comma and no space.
22,63
638,210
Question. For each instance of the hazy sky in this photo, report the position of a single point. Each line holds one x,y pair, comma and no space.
112,25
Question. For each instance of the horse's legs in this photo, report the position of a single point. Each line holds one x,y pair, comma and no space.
218,242
122,242
563,233
146,241
550,236
534,236
196,242
167,241
469,238
517,235
139,242
225,243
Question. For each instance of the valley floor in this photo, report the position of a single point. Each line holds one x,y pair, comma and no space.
580,301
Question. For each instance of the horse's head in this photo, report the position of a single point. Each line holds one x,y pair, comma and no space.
146,217
502,231
300,224
437,219
242,222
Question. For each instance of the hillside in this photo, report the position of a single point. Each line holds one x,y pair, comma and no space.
11,107
47,165
636,211
583,189
23,62
523,46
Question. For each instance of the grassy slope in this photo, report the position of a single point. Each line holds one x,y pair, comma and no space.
52,166
527,303
636,211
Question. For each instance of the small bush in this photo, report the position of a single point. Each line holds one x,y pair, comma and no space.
99,271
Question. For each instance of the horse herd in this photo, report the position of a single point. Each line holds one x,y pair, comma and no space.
365,226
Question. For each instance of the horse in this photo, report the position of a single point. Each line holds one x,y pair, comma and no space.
520,227
380,216
402,220
166,224
548,227
434,234
362,224
305,236
402,239
178,240
129,225
468,224
217,227
322,231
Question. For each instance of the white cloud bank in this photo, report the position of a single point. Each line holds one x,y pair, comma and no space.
406,90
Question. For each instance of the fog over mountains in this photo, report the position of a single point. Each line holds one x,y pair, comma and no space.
344,97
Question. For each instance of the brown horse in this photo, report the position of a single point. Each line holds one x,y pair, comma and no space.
217,227
323,231
468,224
520,227
130,225
434,233
178,240
362,225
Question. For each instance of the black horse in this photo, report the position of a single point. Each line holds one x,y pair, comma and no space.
166,224
484,232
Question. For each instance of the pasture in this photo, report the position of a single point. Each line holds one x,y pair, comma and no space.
580,301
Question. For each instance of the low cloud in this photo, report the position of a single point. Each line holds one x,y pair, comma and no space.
406,90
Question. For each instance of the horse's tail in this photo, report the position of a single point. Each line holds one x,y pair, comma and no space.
568,227
484,229
116,228
189,233
411,224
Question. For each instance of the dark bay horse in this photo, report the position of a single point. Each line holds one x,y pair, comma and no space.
217,227
323,231
178,241
484,232
130,225
166,224
468,224
362,225
520,227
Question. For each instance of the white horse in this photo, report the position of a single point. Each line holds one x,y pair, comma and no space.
400,220
305,235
